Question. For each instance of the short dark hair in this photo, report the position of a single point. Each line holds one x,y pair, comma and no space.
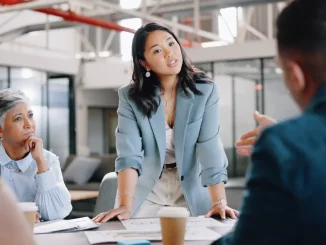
301,30
143,89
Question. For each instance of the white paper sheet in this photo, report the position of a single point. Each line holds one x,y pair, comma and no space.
192,234
84,223
54,227
154,223
66,225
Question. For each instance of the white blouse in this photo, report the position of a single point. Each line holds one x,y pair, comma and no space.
169,145
167,190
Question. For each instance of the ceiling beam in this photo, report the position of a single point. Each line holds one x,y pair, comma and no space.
15,33
30,5
135,13
206,5
187,7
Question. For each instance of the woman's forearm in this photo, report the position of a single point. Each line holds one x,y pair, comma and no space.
217,192
127,181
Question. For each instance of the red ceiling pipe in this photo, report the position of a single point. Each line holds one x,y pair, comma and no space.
73,17
12,2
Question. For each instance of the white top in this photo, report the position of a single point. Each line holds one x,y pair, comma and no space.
167,190
47,189
173,212
169,145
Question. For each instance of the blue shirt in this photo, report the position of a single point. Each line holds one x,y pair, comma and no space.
286,188
47,189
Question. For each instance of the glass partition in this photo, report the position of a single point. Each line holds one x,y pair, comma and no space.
278,101
236,82
245,86
58,109
3,77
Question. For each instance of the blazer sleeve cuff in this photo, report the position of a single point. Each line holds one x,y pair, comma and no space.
213,176
125,163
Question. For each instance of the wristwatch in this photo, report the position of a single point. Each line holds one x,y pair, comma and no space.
220,202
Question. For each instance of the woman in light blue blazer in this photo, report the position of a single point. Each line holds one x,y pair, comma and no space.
168,145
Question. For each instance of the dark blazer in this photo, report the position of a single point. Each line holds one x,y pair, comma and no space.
286,198
200,157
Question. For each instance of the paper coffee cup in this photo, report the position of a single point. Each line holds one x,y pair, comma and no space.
173,225
29,209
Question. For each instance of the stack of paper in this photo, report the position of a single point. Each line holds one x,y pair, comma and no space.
150,229
192,234
192,222
66,225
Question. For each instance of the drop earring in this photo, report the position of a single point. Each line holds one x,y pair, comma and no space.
147,74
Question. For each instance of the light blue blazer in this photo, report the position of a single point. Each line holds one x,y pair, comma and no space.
200,157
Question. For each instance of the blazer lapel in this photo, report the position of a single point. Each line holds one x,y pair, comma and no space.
182,112
157,122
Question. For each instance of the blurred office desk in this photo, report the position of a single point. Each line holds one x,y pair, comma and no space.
79,238
82,195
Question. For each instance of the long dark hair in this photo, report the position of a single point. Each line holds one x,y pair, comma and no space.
144,90
301,30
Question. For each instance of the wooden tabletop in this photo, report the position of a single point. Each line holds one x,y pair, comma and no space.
82,195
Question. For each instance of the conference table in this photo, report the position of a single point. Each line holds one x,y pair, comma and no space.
79,238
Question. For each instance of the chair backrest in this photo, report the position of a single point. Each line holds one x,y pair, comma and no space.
107,194
107,165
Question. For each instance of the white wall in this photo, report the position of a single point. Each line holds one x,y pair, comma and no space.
64,65
236,51
106,74
32,50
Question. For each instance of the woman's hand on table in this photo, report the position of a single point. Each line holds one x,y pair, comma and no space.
122,213
223,211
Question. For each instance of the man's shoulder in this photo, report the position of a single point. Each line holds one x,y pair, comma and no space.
291,140
300,129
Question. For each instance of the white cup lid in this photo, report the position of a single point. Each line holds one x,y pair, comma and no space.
28,206
173,212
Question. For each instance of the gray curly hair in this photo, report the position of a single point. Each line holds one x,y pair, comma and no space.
8,100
